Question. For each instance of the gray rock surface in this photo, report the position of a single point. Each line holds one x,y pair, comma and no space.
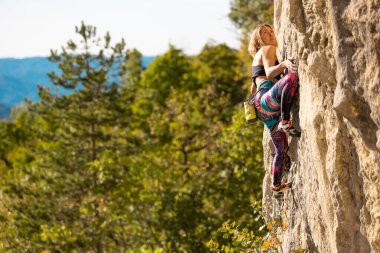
334,205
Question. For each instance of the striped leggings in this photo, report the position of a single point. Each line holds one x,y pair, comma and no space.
275,101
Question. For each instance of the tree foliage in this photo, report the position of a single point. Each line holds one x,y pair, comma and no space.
130,160
246,14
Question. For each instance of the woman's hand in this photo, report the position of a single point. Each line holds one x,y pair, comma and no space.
291,65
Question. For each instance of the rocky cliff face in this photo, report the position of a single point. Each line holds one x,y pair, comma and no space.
334,205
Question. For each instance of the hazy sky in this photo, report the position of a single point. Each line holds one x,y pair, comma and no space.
33,27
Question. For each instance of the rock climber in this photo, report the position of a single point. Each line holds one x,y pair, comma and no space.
273,97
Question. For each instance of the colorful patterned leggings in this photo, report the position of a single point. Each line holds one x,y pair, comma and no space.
281,158
280,96
276,99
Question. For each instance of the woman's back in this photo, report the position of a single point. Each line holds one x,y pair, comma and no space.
265,54
258,60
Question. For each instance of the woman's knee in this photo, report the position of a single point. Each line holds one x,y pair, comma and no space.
280,154
292,77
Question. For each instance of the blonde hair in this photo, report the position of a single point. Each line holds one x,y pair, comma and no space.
255,43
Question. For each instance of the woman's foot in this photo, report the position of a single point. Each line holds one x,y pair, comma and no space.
288,127
278,188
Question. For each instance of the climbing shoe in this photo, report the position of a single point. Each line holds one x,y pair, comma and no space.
281,187
288,127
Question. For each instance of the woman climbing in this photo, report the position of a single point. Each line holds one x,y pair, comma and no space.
273,97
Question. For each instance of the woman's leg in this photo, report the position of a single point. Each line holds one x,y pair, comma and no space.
288,92
280,142
280,96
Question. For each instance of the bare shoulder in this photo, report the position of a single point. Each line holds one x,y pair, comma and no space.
269,53
264,53
257,58
269,49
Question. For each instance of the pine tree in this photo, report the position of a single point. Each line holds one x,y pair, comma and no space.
128,160
69,196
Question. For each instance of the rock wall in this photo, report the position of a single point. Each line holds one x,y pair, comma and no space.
334,205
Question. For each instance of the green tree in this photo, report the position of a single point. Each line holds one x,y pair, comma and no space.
198,177
169,71
246,14
67,197
130,160
219,68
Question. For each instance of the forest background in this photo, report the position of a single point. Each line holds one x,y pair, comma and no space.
134,160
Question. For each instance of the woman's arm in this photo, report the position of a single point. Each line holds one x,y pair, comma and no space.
269,59
253,88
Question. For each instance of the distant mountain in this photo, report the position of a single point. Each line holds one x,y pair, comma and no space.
19,79
5,111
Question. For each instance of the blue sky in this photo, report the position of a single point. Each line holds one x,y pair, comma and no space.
33,27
